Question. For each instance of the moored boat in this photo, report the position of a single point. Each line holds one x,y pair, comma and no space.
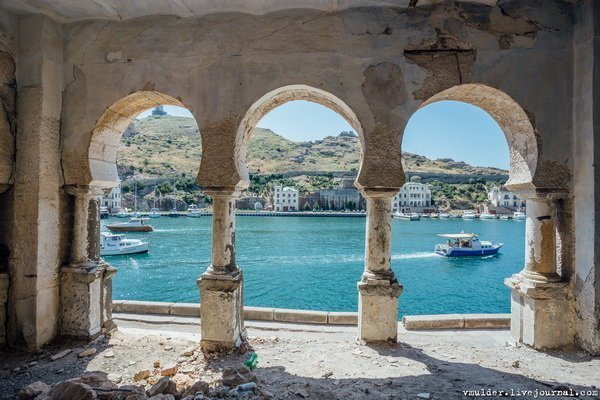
434,215
193,211
154,213
487,216
519,215
444,215
464,245
117,245
173,213
408,217
504,217
133,225
468,214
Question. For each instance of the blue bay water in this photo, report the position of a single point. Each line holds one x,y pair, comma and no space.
314,263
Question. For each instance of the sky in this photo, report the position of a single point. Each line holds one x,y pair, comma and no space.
446,129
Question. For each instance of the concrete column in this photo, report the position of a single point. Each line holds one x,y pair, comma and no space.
82,280
540,308
221,286
378,289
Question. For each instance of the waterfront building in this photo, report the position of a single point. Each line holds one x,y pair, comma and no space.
414,196
500,197
113,200
285,199
344,197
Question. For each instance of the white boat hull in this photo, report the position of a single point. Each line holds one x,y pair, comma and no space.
121,251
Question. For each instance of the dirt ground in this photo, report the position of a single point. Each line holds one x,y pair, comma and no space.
313,362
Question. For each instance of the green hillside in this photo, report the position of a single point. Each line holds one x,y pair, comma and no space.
164,146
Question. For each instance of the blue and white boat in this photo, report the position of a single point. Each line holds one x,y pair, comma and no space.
464,245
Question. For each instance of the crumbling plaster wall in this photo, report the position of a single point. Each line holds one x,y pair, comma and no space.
219,65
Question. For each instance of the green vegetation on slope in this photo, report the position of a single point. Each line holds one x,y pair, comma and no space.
167,150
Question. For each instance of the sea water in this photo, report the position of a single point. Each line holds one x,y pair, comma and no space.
314,263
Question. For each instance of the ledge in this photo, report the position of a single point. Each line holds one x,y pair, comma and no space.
411,322
456,321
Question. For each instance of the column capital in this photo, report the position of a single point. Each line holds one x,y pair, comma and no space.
541,194
222,191
84,190
379,193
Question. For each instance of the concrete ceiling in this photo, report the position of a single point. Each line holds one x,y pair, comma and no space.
75,10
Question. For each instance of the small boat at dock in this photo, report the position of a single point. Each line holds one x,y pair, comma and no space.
519,215
154,213
133,225
464,245
468,214
193,211
487,216
444,215
118,245
408,217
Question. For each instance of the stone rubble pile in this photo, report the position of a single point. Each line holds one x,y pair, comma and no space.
160,384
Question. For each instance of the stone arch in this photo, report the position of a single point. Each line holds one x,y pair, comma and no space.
521,136
280,96
107,132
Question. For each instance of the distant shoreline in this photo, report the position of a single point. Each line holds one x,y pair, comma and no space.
272,214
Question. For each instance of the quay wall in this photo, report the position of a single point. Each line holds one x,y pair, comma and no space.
413,322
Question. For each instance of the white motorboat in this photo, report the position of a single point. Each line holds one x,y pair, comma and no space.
434,215
487,216
468,214
193,211
117,245
444,215
123,215
408,217
464,245
519,215
504,218
133,225
154,213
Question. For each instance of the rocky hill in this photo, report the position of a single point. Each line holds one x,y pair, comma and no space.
168,146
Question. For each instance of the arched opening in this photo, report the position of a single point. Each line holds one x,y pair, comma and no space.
281,96
107,133
469,153
520,134
303,146
153,149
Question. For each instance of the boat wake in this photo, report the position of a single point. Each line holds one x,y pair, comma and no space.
409,256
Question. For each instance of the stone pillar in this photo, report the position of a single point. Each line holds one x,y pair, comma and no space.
82,280
378,289
540,308
36,247
221,286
